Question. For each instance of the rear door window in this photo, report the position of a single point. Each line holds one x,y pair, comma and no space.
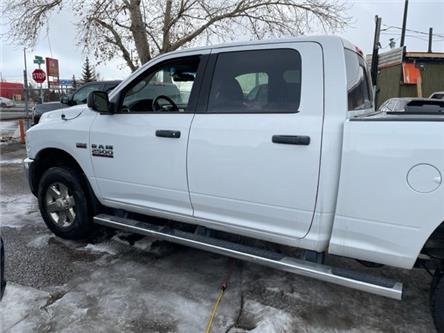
359,88
260,81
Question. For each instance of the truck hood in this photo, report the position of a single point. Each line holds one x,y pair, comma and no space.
47,107
65,114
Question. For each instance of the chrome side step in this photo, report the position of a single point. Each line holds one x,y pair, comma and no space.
339,276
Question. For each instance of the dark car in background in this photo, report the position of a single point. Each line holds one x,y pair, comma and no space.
437,95
400,104
78,97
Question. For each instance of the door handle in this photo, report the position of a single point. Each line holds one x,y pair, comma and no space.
301,140
168,134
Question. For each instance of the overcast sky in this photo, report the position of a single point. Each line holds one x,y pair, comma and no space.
61,43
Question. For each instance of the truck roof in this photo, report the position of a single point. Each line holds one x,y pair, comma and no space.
321,39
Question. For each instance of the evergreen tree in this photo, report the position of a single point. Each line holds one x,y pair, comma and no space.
88,73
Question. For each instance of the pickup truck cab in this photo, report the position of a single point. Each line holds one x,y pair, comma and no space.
275,141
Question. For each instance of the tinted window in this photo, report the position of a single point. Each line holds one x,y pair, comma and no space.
359,89
109,87
438,96
173,80
256,82
81,94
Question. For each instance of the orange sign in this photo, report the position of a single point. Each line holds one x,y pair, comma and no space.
410,73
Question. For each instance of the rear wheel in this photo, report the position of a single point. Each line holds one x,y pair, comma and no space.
62,203
438,304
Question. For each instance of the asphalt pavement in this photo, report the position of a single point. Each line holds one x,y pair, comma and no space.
118,282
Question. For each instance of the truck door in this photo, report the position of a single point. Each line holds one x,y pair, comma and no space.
254,149
139,153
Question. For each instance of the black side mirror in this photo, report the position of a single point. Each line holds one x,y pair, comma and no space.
98,101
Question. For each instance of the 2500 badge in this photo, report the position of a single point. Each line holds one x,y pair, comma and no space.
102,150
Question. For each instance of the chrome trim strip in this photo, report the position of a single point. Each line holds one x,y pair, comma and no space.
288,264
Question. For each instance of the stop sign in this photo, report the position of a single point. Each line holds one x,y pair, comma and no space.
39,75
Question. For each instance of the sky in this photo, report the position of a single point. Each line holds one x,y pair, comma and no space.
60,40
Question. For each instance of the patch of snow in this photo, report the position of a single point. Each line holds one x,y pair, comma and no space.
18,303
40,241
105,247
266,318
18,211
144,243
14,161
7,125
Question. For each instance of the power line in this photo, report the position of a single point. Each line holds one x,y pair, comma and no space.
411,36
410,30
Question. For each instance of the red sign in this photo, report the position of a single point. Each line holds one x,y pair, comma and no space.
39,75
52,67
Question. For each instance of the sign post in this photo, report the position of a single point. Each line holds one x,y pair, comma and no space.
25,81
40,74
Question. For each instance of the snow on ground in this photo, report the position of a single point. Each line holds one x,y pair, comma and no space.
102,247
13,161
259,318
18,211
18,305
8,129
40,241
7,126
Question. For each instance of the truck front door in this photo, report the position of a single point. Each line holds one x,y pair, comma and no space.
254,150
139,153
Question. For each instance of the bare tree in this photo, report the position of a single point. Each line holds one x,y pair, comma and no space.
137,30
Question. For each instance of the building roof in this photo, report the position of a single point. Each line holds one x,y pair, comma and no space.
398,55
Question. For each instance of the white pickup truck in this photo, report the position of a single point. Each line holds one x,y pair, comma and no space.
275,141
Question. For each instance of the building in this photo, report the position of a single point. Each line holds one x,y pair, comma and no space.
11,90
408,74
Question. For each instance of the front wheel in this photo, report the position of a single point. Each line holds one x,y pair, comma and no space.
438,304
62,203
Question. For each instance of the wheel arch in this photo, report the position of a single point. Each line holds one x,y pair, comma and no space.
435,242
56,157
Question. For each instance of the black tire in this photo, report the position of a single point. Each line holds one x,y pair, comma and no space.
438,305
76,211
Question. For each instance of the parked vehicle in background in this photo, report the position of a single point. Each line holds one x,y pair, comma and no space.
437,95
6,102
400,104
274,141
78,97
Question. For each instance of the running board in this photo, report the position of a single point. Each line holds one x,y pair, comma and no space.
343,277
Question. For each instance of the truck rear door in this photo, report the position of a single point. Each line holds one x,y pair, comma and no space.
255,144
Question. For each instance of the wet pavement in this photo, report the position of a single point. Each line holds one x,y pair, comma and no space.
119,283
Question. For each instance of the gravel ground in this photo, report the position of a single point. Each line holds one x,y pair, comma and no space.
118,282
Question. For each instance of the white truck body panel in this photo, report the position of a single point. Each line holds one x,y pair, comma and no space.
254,187
346,193
379,216
146,171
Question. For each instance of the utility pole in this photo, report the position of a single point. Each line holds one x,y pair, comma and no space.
25,82
430,40
404,22
375,56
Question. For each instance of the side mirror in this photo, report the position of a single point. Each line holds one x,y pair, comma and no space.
98,101
65,99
